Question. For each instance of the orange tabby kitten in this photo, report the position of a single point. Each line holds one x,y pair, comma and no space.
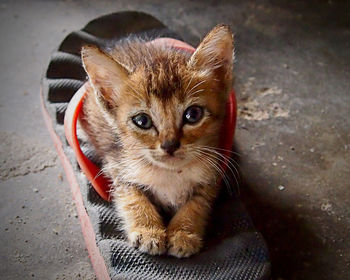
154,114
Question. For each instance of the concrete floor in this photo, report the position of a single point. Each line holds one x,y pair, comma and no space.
292,82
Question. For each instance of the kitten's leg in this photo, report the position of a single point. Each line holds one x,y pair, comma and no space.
186,229
142,223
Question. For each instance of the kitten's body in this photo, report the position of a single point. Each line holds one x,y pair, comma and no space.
163,166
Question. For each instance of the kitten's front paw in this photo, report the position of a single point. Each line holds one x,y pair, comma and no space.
182,244
148,240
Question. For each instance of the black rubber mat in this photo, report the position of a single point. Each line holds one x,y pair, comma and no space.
234,249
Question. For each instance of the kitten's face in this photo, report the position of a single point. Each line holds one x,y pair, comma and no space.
170,110
167,130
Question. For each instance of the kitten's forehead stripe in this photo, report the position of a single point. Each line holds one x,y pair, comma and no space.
164,78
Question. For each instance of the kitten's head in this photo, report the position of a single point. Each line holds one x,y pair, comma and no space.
166,105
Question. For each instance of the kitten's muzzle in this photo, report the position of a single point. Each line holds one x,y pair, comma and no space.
170,146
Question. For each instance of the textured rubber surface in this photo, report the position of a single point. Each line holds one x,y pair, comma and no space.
234,250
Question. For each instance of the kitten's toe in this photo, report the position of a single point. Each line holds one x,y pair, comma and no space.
149,240
135,238
182,244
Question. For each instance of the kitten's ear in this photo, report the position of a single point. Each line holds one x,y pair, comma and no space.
106,75
215,51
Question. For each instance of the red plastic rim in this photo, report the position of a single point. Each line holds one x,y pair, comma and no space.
101,183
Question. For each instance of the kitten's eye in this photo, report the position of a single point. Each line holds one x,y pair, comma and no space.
193,114
143,121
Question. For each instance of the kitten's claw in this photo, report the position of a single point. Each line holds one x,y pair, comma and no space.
148,240
182,244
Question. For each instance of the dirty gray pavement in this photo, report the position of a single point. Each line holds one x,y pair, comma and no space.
293,134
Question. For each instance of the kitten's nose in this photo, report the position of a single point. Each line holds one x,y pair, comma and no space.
170,146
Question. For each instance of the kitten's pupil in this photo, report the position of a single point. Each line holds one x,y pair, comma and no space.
143,121
193,114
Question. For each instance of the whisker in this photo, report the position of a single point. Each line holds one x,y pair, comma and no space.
210,162
220,158
197,91
219,149
195,86
224,157
217,167
226,161
185,91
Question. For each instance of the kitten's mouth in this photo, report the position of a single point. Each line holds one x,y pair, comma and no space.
172,162
169,158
